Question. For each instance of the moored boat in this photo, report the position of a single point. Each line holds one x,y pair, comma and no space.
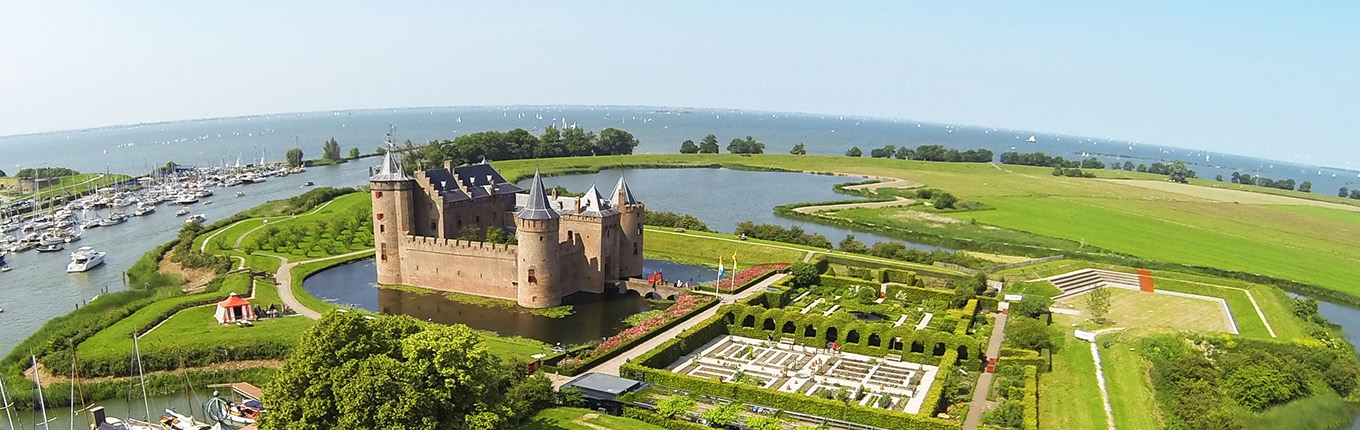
84,259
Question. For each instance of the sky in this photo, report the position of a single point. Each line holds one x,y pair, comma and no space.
1279,80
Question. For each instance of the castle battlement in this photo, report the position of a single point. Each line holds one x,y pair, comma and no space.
455,246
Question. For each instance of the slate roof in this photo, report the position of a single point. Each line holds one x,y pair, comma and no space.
538,207
390,169
593,204
473,179
628,198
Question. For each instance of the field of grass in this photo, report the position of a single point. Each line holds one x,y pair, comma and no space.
705,248
1069,397
1144,313
312,245
1325,410
1348,217
116,339
196,327
1277,306
574,419
1141,221
956,225
1127,380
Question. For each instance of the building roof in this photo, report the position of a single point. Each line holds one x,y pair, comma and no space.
538,207
594,204
233,301
469,182
602,383
628,198
390,169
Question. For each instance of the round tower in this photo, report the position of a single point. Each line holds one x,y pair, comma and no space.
630,220
392,193
536,229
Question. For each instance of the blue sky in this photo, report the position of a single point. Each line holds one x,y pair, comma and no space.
1278,80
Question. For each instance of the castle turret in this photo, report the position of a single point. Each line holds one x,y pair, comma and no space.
392,190
539,271
630,220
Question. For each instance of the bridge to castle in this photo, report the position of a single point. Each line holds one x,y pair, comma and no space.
664,290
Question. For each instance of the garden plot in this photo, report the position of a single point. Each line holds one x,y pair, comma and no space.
786,367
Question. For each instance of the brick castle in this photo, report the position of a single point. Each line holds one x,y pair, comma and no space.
565,245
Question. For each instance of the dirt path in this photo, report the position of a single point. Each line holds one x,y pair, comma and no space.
48,378
868,205
886,183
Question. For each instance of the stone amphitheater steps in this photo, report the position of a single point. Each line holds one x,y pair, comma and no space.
1074,283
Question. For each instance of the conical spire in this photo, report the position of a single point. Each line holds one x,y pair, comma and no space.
538,208
627,199
593,201
390,169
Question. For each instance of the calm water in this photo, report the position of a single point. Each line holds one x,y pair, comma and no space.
1349,320
120,408
722,198
596,316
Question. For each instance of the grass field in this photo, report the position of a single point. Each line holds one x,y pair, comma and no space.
116,339
1069,397
1127,380
1325,410
575,419
705,248
1143,313
1137,220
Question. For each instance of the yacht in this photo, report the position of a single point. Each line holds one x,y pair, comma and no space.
186,199
144,209
196,218
54,247
204,193
90,223
240,194
113,219
182,212
84,259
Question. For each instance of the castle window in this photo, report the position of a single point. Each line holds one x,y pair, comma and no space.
639,229
377,194
569,236
384,251
635,248
433,225
479,219
532,279
379,216
382,228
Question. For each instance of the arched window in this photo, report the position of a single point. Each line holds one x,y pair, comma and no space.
918,347
749,321
831,334
790,328
810,331
939,349
532,279
874,340
852,336
768,325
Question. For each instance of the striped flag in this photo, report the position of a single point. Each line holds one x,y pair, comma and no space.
720,267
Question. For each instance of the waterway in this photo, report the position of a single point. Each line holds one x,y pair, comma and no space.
595,315
721,198
124,408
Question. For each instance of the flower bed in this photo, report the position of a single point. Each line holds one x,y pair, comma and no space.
746,277
684,306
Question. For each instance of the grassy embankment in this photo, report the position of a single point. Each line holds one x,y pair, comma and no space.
575,419
1112,215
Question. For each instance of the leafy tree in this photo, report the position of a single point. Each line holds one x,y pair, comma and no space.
1128,165
570,397
675,405
1028,333
330,150
1179,172
749,145
804,274
721,416
1098,302
1092,163
943,200
798,149
688,147
884,152
1010,413
850,244
1345,192
1306,187
1355,194
854,151
294,157
613,141
709,145
550,143
353,153
963,293
1032,306
579,142
1341,375
1219,178
905,153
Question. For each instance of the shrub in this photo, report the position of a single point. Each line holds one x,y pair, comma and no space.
804,274
1031,306
1028,333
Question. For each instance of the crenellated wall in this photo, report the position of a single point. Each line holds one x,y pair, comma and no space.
462,266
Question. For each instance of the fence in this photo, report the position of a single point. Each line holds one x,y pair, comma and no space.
999,268
953,266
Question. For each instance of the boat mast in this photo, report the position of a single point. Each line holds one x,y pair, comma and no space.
140,376
37,378
4,404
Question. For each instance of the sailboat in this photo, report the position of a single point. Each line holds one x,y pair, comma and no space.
129,424
37,379
5,405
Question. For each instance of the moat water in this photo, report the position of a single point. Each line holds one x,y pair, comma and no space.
596,315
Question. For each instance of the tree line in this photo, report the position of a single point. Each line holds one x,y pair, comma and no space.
43,172
1349,193
1262,181
515,145
709,145
926,153
1044,160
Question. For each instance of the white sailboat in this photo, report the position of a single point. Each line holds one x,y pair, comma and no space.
37,379
5,405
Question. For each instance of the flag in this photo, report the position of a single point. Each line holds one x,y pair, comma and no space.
734,258
720,267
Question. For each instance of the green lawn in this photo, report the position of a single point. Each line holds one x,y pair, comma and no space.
196,327
116,339
573,419
1068,396
705,249
342,209
1131,392
1348,217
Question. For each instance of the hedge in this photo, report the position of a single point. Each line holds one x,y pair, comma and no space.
1031,399
936,392
1025,357
844,324
821,263
652,418
920,271
969,310
897,276
591,362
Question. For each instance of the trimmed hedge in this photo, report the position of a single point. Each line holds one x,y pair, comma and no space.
844,324
589,363
821,263
1031,399
936,392
969,310
897,276
920,271
1025,357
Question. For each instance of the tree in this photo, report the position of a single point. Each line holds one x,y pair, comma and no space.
1355,194
613,141
709,145
849,244
1128,165
943,201
1219,178
854,152
884,152
354,153
764,422
1027,333
804,275
749,145
294,157
1344,192
675,405
1306,186
963,293
550,143
1010,413
723,415
1143,168
1341,376
330,150
798,149
1179,172
1098,302
1032,306
688,147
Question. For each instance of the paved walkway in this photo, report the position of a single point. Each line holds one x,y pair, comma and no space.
284,279
612,366
984,385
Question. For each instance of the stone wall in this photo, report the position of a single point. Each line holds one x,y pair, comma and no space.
460,266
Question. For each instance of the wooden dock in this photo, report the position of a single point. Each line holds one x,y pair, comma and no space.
243,389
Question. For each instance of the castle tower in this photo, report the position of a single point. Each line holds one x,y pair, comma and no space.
630,219
539,271
392,193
